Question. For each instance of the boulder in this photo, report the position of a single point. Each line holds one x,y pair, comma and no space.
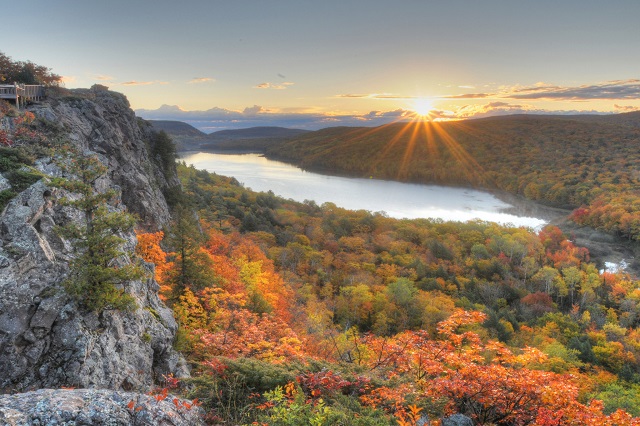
457,420
95,407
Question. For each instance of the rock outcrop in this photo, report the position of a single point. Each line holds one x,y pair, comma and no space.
457,420
102,122
96,408
46,341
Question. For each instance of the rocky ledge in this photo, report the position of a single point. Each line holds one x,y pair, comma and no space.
95,407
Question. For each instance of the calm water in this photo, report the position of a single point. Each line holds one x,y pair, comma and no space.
396,199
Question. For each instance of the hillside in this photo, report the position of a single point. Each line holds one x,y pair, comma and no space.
561,161
331,316
185,136
256,132
176,128
254,139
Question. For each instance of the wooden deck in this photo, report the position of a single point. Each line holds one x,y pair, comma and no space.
21,93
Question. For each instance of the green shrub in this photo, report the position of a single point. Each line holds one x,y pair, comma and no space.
295,410
13,159
227,391
22,179
5,197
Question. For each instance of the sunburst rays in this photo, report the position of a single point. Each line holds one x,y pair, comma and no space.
422,136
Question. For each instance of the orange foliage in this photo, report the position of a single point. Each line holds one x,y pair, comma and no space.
484,380
236,331
149,250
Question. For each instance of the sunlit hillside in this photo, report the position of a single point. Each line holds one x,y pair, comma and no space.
566,162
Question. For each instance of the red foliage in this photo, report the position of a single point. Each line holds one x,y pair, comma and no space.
327,382
538,303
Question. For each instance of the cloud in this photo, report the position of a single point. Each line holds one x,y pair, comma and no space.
489,109
617,89
499,108
610,90
68,79
467,96
388,96
142,83
170,109
101,77
626,107
396,113
280,86
352,95
254,110
137,83
200,80
281,76
395,97
220,118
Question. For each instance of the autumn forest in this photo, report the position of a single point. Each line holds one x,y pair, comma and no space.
295,313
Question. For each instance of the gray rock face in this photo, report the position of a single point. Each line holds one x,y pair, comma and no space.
4,183
104,124
45,340
94,407
457,420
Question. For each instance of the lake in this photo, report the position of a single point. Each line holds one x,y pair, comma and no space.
396,199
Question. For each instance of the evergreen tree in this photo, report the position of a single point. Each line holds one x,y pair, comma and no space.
98,269
163,146
193,267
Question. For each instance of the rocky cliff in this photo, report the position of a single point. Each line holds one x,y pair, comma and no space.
45,339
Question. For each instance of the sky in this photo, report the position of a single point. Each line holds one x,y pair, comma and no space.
314,64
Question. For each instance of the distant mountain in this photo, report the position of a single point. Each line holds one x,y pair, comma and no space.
177,128
255,139
256,132
631,119
185,136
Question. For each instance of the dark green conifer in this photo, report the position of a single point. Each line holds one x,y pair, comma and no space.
193,267
101,264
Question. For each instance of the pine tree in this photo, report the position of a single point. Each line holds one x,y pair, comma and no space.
100,265
163,147
193,268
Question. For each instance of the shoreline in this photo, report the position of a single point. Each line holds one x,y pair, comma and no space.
602,247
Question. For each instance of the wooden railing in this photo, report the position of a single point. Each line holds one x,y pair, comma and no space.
21,92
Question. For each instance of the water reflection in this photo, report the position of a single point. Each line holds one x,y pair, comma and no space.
396,199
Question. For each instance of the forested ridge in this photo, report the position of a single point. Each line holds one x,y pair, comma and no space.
586,163
296,313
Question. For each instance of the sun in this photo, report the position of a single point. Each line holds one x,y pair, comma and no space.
422,107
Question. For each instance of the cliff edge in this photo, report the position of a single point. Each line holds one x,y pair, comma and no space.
46,339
